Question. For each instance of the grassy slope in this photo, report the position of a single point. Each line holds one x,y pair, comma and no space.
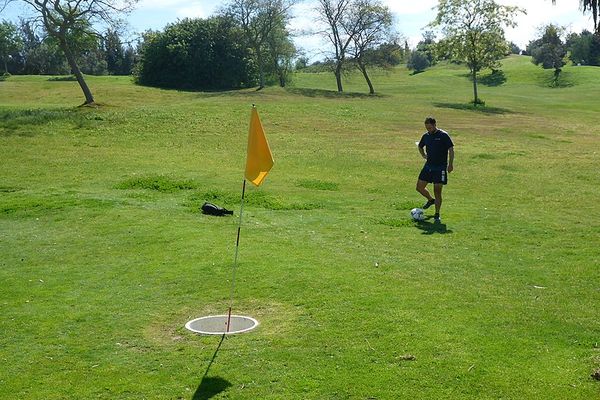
97,281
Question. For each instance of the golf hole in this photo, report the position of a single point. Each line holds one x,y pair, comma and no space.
217,324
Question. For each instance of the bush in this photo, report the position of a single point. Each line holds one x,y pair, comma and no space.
418,61
198,54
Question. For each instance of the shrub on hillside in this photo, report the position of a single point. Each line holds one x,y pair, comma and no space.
418,61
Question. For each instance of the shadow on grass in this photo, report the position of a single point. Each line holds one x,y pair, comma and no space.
471,107
330,93
211,386
430,228
495,78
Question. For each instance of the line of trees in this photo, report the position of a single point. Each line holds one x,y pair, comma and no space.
27,50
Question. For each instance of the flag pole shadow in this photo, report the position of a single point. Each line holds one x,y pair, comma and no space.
211,386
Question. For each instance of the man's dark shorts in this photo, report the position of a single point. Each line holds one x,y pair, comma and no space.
434,174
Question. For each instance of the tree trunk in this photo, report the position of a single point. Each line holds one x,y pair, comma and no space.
282,78
5,66
89,98
363,69
475,97
261,70
338,76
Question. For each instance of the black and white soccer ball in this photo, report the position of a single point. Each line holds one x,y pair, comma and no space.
417,214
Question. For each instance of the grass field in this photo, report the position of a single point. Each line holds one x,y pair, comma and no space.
104,255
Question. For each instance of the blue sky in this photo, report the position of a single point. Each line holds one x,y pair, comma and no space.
411,17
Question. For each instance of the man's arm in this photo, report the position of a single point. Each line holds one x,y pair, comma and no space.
422,151
450,159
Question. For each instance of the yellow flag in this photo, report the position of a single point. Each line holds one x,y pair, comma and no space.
259,160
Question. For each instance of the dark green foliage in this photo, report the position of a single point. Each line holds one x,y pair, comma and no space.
119,60
38,55
386,55
514,49
196,54
418,61
584,48
10,43
427,46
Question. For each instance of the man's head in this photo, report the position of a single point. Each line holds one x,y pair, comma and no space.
430,124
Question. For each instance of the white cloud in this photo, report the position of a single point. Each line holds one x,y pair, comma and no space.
411,7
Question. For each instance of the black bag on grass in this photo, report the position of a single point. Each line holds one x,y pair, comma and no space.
213,209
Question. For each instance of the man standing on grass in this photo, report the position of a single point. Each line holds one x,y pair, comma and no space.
439,154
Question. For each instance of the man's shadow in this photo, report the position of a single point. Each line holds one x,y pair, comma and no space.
211,386
429,228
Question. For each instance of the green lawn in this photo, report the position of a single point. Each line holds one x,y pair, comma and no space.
104,255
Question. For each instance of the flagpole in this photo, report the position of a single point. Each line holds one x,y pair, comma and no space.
235,260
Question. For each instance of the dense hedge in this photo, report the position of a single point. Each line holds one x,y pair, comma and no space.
197,54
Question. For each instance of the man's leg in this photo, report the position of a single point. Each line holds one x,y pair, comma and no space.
437,189
422,188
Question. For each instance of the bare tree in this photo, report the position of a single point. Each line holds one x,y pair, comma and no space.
333,14
372,21
69,20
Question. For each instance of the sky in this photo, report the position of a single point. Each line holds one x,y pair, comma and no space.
411,18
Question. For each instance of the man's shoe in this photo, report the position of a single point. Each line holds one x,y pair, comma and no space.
437,219
428,204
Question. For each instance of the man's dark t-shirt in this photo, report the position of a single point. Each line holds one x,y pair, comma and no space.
436,145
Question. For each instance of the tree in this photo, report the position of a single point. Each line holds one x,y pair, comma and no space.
427,46
514,48
474,32
418,61
39,53
549,50
332,14
281,52
69,22
114,52
301,63
584,48
594,7
10,42
372,22
386,55
260,20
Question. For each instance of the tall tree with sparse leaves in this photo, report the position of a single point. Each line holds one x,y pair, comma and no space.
474,31
332,15
373,22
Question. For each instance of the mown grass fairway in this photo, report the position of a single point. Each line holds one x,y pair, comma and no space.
105,256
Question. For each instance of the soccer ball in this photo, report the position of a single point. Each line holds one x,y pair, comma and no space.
417,214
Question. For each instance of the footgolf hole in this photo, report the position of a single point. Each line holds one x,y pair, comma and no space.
217,324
